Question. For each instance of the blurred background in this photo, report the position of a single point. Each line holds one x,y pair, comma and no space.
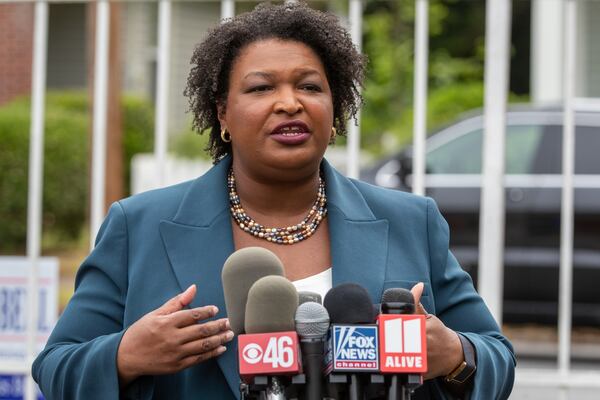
453,162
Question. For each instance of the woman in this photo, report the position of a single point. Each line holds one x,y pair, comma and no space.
275,86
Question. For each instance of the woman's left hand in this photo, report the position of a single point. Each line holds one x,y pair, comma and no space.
444,350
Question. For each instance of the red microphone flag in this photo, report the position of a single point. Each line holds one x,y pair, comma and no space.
402,343
268,354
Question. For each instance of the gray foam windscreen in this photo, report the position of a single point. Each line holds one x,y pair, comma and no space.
271,306
240,271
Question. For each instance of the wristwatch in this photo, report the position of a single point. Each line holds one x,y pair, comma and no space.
466,368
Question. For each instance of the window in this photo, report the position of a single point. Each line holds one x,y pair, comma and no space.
459,156
463,155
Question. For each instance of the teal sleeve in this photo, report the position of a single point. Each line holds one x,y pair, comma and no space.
79,360
459,306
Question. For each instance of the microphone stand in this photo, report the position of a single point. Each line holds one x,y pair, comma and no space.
354,388
275,390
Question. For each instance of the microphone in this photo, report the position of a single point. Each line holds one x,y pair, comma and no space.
270,346
306,296
402,343
352,345
240,271
312,324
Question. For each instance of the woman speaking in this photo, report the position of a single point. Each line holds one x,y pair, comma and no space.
274,87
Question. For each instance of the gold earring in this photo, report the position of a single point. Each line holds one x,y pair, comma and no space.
225,136
333,134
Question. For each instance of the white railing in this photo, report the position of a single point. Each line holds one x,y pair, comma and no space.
492,204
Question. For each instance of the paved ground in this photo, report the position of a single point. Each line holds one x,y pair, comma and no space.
536,349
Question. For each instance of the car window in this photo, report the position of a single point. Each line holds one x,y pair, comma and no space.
548,159
587,150
522,141
459,156
530,149
463,154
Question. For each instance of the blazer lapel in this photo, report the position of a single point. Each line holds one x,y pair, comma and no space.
359,241
198,241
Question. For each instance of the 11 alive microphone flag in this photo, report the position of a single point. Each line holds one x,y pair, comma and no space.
403,343
268,354
352,348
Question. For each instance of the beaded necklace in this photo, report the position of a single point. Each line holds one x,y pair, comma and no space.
288,235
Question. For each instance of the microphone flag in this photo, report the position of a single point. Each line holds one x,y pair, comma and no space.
352,348
273,353
403,343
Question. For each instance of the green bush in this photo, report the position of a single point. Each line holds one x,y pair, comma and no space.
189,144
66,164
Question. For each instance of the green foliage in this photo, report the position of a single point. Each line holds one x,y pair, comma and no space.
189,144
455,82
138,132
455,76
66,164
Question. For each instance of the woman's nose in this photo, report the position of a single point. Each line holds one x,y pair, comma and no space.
288,103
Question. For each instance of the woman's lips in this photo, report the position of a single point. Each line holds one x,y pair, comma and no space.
291,132
294,138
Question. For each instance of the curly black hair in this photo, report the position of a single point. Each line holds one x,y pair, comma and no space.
208,81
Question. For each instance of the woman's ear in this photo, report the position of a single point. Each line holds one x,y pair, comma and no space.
221,113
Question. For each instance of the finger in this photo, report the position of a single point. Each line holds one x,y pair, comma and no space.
178,302
199,331
417,292
419,309
198,358
206,345
183,318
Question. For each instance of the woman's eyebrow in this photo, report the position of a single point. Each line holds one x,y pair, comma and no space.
262,74
300,72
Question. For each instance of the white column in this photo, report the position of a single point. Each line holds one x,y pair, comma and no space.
227,9
100,113
491,220
353,142
565,297
420,95
546,40
35,189
162,90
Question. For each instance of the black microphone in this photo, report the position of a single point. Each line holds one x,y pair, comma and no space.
352,345
398,301
312,324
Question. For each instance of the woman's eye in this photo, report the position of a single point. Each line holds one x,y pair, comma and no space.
311,88
260,88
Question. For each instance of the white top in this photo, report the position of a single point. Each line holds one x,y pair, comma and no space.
319,283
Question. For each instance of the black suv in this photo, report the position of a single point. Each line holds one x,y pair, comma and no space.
533,199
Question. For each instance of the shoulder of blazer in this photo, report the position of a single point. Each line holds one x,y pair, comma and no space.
162,203
390,203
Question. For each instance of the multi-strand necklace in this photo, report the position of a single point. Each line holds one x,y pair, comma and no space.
288,235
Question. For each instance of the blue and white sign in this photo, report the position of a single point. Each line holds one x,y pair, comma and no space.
354,348
13,315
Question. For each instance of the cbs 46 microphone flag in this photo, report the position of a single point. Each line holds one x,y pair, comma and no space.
403,343
268,354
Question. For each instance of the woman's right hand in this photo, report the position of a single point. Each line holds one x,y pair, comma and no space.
170,338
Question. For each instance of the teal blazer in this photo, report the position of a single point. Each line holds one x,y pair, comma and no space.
154,245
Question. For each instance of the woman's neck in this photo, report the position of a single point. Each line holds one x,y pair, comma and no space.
275,201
